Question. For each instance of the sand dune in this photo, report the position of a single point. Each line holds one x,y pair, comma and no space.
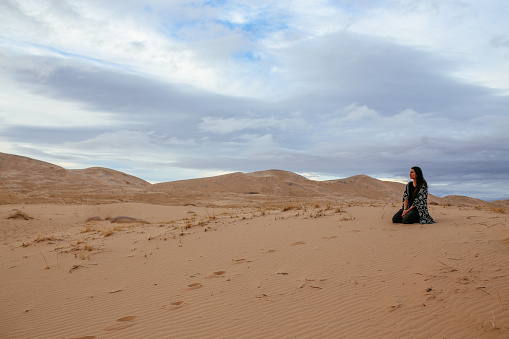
32,181
268,254
25,180
312,271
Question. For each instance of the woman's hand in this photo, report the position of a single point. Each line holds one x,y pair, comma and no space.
406,211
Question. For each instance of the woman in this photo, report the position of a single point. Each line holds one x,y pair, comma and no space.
415,201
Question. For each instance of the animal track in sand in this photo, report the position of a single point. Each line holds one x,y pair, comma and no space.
240,261
128,318
298,243
125,322
194,286
217,274
117,327
174,305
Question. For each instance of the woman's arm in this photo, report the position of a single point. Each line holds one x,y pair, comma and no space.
406,209
405,201
421,200
421,203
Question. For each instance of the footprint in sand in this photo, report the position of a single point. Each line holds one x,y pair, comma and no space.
298,243
194,286
217,274
128,318
124,322
174,305
86,337
240,261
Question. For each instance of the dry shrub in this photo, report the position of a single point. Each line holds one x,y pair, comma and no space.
89,248
89,229
290,207
107,233
50,238
498,209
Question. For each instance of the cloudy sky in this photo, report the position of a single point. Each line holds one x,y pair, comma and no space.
170,90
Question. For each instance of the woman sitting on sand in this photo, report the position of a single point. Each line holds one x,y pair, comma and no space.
415,201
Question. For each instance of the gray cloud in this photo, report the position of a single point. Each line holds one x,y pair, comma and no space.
303,96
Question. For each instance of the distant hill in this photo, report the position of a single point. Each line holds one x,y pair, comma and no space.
277,183
26,180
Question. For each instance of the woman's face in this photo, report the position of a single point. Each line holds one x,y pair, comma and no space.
412,174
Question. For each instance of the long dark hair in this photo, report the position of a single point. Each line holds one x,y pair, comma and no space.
421,182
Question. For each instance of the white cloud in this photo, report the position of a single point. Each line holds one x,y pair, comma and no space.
230,125
458,30
21,107
256,141
212,88
356,113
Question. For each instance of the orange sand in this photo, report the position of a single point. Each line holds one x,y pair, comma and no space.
332,270
268,254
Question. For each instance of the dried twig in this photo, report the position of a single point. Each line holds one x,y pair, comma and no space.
47,265
480,288
453,269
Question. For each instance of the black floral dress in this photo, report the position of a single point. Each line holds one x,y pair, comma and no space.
421,203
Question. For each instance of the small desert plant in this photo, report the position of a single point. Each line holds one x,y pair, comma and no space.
213,216
47,265
88,229
40,238
203,222
107,233
119,228
290,207
498,209
89,248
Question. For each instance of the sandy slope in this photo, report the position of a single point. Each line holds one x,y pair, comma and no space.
25,180
332,270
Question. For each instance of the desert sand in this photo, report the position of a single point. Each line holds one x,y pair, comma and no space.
260,255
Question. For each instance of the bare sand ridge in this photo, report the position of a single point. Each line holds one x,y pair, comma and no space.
25,180
260,255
